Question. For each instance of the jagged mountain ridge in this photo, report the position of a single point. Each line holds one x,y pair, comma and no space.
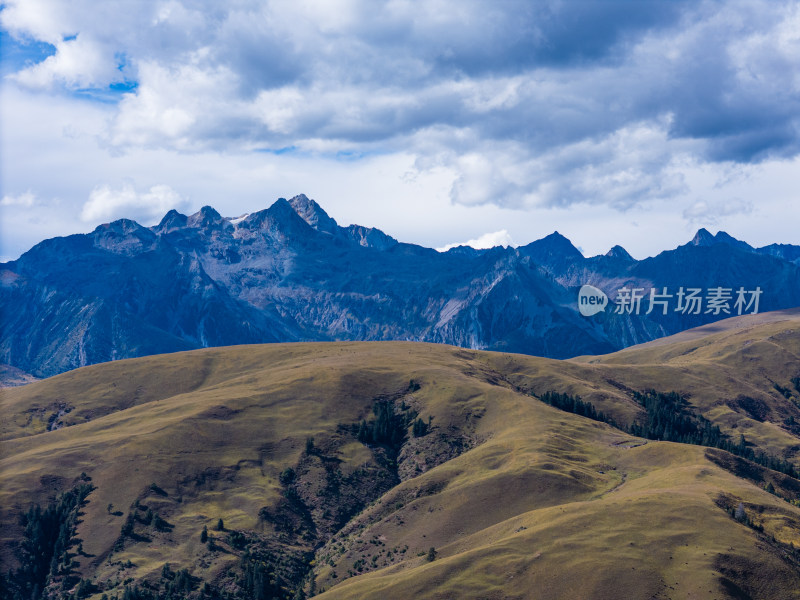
291,273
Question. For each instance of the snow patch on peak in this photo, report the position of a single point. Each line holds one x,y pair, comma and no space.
483,242
236,220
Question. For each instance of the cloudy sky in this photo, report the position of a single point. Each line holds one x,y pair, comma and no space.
440,122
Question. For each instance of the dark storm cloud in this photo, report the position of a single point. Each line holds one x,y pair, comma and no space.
731,85
511,36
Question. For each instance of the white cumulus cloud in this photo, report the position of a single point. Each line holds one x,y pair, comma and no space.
711,212
487,240
628,167
77,63
25,200
106,203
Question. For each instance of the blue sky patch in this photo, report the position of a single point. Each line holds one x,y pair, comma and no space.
278,151
16,55
124,87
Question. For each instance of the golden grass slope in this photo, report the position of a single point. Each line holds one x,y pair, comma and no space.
737,373
542,504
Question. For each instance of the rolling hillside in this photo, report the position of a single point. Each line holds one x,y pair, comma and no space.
408,470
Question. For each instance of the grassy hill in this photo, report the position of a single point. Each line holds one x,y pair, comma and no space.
308,454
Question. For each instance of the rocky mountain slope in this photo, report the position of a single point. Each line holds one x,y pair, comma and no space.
400,470
291,273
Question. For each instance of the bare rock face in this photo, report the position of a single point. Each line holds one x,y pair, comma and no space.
291,273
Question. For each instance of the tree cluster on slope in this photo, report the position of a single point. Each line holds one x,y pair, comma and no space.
669,417
44,552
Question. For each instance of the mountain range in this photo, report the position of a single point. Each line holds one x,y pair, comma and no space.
291,273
